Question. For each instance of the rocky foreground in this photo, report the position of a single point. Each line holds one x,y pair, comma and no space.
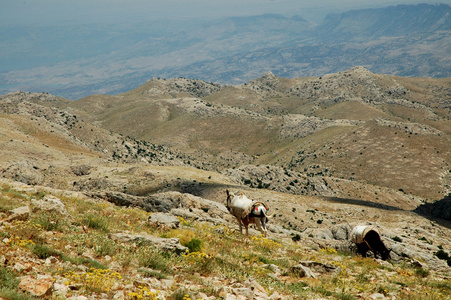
58,244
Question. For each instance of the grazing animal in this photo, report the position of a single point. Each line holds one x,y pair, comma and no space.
368,239
247,211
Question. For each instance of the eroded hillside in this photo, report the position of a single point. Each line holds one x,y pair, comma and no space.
377,129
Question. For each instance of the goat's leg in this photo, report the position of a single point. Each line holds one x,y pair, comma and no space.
263,223
261,226
240,223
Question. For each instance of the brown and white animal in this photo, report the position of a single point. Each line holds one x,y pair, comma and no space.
246,211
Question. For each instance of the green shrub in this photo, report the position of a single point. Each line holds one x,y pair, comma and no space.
397,239
442,254
43,252
154,260
7,279
194,245
420,272
296,238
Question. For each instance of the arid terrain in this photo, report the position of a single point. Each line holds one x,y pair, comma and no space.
123,196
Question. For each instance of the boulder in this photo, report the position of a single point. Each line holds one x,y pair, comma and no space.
81,170
302,271
25,171
341,232
37,286
20,213
165,220
50,204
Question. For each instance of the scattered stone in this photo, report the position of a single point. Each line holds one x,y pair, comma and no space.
170,244
164,220
51,261
319,267
377,296
50,204
302,271
77,298
19,268
20,213
60,289
81,170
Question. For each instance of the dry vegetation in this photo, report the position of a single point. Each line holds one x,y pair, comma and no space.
89,263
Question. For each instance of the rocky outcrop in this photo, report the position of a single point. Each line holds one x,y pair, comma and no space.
196,88
279,179
440,209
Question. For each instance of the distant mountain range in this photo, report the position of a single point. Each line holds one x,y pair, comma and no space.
76,61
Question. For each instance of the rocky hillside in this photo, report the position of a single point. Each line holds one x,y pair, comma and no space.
174,245
88,213
353,125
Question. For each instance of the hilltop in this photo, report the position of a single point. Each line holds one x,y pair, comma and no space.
103,196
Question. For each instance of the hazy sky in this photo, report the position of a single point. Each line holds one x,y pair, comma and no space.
44,12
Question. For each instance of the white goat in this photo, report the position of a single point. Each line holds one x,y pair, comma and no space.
247,211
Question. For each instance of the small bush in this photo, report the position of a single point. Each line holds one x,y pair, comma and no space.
147,273
442,254
296,238
182,294
194,245
149,258
105,247
397,239
420,272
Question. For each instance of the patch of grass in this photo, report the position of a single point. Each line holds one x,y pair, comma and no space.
7,279
184,235
43,252
150,258
49,221
182,294
97,222
147,273
90,263
105,246
8,285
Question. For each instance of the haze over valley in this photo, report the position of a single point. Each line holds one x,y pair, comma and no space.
74,57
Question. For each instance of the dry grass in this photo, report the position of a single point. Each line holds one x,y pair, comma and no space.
355,276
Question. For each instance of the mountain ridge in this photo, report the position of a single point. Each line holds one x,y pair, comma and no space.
226,55
342,125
